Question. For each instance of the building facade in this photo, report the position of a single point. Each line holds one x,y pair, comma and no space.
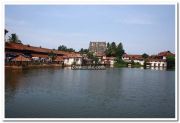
159,60
135,58
38,54
156,63
71,59
97,47
108,60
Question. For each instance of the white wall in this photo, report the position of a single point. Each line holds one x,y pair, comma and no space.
141,62
111,62
126,59
78,61
156,64
70,61
164,57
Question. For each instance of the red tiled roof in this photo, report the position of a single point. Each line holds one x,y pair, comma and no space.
13,53
155,60
109,58
14,46
133,56
32,48
166,53
153,56
73,55
21,58
59,58
64,57
39,55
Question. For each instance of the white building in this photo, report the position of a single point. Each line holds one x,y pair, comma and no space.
108,60
165,54
126,58
72,58
140,61
157,63
134,58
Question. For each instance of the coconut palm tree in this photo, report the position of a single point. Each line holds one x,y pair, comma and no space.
6,31
14,38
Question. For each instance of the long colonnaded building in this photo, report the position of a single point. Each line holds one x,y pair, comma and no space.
15,49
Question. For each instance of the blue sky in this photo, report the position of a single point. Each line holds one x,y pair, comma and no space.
141,28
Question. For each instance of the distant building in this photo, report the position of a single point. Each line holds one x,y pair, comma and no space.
108,60
134,58
156,62
97,47
162,55
159,60
165,54
73,58
13,50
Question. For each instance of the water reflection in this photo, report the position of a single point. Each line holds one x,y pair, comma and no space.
12,82
114,92
158,68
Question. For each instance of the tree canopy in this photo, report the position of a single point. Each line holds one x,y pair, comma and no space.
83,51
94,58
170,62
14,38
144,55
115,50
6,31
64,48
52,55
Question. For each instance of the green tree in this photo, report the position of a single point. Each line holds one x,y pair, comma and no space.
52,55
170,62
144,55
108,45
111,49
95,59
115,51
62,47
108,52
83,51
6,31
14,38
119,51
90,55
71,50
